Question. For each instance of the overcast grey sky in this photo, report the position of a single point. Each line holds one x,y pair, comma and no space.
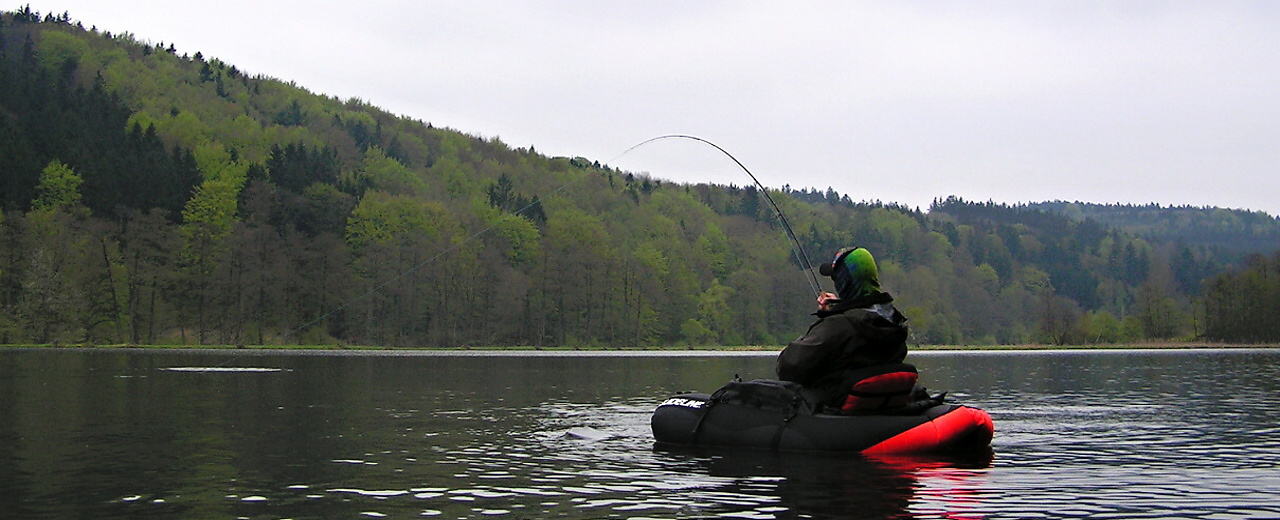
1109,102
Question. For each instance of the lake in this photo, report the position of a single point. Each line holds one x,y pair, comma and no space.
135,434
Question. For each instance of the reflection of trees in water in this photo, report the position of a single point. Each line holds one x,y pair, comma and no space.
842,486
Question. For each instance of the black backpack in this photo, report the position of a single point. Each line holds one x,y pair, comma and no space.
768,394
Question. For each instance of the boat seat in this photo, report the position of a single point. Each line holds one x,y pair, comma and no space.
879,387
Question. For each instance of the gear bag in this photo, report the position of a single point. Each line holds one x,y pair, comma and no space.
767,394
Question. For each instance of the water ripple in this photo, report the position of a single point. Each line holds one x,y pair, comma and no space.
1104,435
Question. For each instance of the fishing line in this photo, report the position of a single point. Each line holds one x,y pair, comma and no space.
795,243
782,219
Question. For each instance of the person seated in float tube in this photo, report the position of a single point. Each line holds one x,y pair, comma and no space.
853,354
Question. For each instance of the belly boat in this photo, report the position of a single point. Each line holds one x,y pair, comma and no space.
781,416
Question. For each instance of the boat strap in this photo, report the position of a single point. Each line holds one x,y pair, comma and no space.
716,397
697,426
788,415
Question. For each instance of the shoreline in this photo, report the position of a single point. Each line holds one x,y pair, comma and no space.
601,349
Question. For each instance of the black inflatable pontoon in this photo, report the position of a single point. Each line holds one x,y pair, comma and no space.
782,416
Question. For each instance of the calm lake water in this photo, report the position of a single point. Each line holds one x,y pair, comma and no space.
226,435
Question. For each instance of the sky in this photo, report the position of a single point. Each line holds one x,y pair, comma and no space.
1130,102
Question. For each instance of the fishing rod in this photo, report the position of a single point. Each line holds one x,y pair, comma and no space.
795,243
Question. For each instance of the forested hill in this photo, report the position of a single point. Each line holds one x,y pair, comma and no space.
151,195
1232,230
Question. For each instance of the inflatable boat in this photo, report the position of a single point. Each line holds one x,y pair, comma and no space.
783,416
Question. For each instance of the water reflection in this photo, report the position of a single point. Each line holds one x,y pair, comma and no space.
843,486
110,435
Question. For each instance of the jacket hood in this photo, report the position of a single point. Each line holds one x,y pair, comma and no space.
855,275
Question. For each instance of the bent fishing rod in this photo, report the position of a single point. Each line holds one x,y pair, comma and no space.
777,212
782,219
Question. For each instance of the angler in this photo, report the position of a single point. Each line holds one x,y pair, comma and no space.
842,386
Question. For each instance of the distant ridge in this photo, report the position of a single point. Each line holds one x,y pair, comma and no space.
1234,230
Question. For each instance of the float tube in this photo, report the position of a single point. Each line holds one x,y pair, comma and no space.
783,416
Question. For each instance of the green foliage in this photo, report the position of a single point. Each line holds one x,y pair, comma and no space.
715,313
1239,305
149,196
58,188
385,219
1234,232
207,221
1103,327
296,167
56,49
523,240
694,333
380,172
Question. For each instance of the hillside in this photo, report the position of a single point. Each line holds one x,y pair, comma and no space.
1235,232
151,195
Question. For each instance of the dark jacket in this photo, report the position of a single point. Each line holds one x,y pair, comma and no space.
852,334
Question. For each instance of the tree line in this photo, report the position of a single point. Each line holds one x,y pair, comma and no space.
1240,304
156,197
1235,234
